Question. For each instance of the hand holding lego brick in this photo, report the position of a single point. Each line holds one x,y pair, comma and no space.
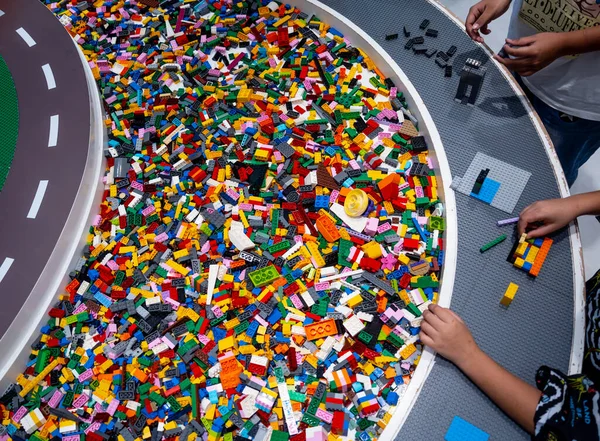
544,217
531,54
481,14
447,334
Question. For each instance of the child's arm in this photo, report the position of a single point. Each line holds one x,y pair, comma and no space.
544,217
539,50
447,334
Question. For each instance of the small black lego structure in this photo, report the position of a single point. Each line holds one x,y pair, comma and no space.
471,79
424,24
479,181
391,37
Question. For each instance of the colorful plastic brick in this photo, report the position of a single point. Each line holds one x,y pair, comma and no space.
461,430
493,243
509,294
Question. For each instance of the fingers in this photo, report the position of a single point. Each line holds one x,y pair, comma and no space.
525,218
517,51
524,41
521,226
444,314
542,231
425,339
455,315
433,320
484,19
474,24
474,13
518,65
528,216
429,330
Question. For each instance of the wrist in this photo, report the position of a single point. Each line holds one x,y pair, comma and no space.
569,43
469,357
577,205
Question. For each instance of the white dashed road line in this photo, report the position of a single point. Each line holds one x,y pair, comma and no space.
37,200
26,37
53,138
49,76
6,264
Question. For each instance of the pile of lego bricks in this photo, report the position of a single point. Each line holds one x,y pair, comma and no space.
269,236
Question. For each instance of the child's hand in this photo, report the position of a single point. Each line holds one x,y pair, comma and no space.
544,217
532,53
445,332
481,14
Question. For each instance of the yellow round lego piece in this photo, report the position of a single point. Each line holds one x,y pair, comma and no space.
356,203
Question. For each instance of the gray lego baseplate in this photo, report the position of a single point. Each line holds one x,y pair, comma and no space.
512,180
525,335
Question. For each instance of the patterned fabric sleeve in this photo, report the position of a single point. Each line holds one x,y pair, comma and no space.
568,409
591,366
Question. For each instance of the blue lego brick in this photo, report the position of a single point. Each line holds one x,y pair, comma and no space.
322,202
527,266
461,430
488,191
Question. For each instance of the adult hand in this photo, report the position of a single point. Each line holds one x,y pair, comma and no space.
532,53
446,333
544,217
481,14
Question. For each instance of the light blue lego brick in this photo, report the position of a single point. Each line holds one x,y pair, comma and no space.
461,430
488,191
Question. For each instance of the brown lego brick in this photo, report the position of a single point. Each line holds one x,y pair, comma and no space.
151,3
324,179
408,128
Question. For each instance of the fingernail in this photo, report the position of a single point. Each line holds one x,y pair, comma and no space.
476,26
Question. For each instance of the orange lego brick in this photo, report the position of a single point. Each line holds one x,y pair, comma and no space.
328,229
541,257
321,329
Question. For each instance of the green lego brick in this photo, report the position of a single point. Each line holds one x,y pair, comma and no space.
493,243
263,276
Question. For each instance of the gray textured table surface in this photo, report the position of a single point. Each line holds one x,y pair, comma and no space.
537,328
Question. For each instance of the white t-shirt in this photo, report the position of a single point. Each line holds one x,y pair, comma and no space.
569,84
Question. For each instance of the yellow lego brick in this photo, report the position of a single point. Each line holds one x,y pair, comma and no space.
509,295
227,343
532,254
372,250
520,251
317,258
408,351
177,267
